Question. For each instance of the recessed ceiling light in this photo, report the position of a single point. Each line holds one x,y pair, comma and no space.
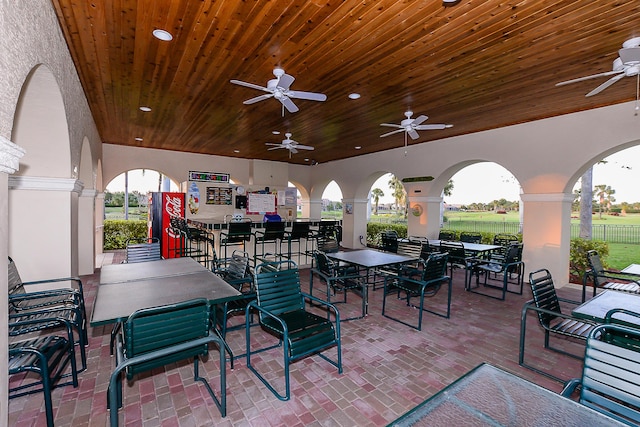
357,147
306,160
236,151
162,35
275,132
145,109
138,139
354,95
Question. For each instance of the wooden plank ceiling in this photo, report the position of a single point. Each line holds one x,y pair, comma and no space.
476,64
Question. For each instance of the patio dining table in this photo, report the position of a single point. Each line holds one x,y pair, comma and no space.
473,248
490,396
369,259
596,308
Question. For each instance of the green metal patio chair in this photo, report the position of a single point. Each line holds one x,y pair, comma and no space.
607,279
610,382
431,277
155,337
546,305
282,312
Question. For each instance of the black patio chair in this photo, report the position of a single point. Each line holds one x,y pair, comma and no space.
337,279
47,308
457,259
273,233
47,355
610,382
155,337
282,312
389,240
427,284
470,237
493,270
546,305
449,236
607,279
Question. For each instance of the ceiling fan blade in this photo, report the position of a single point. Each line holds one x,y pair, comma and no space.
292,150
273,144
605,85
413,134
418,120
311,96
304,147
391,125
274,148
392,132
593,76
288,104
285,81
431,127
257,98
251,85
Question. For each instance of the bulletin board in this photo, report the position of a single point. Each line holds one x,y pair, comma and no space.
219,196
261,203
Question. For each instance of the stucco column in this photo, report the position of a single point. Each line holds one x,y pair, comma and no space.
46,209
86,232
99,224
10,155
423,219
547,234
354,224
432,212
312,209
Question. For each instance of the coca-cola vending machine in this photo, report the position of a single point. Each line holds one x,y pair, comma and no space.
162,206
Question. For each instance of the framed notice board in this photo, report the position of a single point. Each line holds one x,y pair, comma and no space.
219,196
261,203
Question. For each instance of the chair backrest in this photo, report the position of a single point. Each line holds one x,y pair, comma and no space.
503,239
324,264
238,231
544,295
454,249
278,287
446,235
15,282
611,375
597,268
141,251
328,244
435,267
238,269
299,230
470,237
273,230
389,240
514,253
160,327
410,248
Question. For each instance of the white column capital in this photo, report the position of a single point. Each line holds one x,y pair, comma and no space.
43,183
10,155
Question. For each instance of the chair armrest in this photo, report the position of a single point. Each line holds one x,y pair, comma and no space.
609,316
61,279
75,293
530,305
322,302
254,305
570,386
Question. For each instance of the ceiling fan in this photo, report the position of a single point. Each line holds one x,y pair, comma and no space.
289,144
278,88
411,126
627,64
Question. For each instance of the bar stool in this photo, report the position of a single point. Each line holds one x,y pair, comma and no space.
271,233
238,233
299,231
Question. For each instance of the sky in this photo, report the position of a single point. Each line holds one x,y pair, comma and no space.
621,172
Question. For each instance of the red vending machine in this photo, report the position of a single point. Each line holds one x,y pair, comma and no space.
163,206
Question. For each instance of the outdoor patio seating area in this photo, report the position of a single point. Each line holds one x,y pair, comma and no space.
389,368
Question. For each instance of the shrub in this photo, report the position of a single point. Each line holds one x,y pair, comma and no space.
117,232
578,263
